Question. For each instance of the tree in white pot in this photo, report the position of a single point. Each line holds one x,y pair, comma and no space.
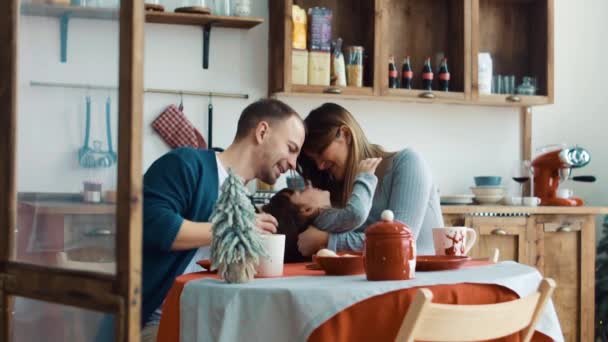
236,247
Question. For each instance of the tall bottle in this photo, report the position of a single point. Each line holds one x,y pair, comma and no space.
392,73
444,76
407,75
427,75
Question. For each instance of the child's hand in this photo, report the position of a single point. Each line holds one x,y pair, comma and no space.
369,165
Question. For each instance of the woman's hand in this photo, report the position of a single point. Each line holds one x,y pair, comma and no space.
368,165
311,240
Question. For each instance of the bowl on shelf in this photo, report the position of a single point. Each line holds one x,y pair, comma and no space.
488,190
487,180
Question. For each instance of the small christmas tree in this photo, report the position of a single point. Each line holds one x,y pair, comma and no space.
236,247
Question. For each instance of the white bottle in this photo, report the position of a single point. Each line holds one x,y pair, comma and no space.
484,62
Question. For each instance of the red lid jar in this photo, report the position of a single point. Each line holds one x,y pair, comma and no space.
390,250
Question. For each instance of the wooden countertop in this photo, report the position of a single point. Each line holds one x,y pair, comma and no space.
71,207
503,209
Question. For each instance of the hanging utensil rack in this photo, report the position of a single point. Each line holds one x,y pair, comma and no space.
209,94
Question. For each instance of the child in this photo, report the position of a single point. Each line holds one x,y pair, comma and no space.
296,210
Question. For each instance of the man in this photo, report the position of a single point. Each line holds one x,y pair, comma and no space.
181,188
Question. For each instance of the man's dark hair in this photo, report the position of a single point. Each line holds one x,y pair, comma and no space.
270,110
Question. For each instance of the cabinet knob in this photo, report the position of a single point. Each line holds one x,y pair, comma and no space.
427,95
514,98
499,231
564,229
332,90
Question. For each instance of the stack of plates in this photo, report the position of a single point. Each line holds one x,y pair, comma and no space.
457,199
488,194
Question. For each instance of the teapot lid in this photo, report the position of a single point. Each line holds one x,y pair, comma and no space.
388,226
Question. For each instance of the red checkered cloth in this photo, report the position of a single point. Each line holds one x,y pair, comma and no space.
176,130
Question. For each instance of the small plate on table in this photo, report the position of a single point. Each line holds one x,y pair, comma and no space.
440,262
346,263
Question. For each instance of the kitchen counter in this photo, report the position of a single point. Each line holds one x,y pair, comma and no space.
70,207
503,209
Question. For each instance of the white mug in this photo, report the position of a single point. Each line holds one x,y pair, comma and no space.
453,240
272,265
531,201
512,200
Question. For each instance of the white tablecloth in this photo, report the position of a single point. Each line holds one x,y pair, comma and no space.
290,309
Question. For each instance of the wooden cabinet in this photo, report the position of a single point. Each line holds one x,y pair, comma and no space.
559,242
517,33
506,234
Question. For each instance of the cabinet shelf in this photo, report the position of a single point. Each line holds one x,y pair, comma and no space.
518,34
151,17
65,12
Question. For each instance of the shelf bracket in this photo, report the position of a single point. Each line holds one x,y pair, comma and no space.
64,21
206,38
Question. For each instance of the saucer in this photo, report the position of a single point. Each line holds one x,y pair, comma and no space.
440,262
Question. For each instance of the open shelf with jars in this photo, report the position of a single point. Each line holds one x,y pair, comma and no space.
352,21
517,34
519,37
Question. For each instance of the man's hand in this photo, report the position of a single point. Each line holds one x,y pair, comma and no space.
266,223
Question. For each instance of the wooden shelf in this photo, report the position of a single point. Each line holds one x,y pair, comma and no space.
309,89
419,94
506,100
201,20
151,17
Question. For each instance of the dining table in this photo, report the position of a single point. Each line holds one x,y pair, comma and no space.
307,305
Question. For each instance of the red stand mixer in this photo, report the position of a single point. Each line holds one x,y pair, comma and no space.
553,166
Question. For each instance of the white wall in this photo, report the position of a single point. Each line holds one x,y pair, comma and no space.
580,113
458,141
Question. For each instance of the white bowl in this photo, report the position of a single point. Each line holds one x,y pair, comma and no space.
491,199
488,190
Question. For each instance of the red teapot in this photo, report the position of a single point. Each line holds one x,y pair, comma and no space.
389,250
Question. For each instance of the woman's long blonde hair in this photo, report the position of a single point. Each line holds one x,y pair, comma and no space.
323,125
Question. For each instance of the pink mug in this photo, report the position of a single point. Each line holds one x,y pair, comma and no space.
454,240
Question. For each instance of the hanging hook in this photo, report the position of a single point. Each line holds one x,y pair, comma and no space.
181,101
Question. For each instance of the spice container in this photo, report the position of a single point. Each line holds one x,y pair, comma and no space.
298,16
91,192
299,67
320,29
354,66
319,68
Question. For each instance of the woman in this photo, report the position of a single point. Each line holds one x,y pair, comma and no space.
334,146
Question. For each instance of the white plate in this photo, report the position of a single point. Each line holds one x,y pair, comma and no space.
456,199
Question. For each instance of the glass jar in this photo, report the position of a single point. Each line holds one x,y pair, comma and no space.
242,8
222,7
354,66
526,88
